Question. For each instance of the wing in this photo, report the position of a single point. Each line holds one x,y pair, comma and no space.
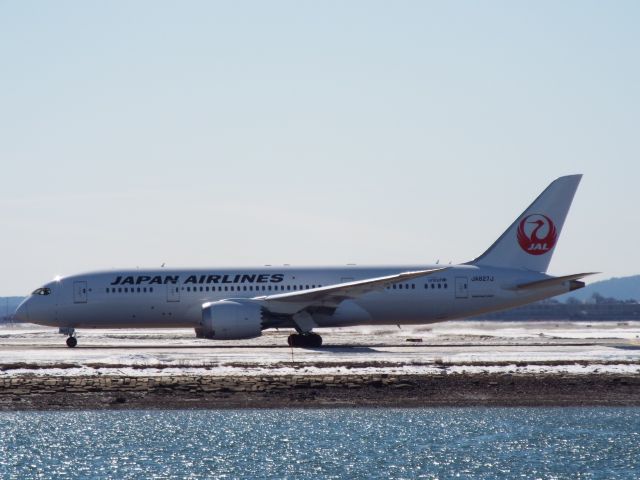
331,295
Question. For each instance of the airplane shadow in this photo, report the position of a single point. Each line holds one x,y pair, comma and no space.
167,347
626,347
164,346
342,349
328,348
325,348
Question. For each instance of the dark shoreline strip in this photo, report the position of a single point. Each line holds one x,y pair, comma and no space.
188,391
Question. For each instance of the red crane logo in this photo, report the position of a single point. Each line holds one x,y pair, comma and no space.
537,234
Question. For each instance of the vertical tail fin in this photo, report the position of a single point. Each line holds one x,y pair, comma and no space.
530,241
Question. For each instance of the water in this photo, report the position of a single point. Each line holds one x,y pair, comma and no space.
440,443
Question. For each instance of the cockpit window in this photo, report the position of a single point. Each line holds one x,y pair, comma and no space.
42,291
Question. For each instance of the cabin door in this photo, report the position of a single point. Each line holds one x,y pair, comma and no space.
462,288
79,292
173,293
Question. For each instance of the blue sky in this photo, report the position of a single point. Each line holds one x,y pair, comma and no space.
247,133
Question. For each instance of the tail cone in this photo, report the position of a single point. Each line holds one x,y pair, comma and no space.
576,285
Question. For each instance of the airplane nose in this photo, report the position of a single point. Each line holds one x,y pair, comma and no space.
22,312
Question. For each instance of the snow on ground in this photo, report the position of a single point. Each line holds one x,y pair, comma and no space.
448,347
330,370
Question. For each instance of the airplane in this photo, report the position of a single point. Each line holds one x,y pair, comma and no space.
240,303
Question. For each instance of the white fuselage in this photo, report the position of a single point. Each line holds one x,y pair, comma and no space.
174,297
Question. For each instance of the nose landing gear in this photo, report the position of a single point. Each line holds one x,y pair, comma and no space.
72,341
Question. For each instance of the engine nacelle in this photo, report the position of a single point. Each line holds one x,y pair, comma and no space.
230,320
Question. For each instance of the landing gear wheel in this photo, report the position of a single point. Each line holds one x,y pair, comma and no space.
314,340
305,340
72,342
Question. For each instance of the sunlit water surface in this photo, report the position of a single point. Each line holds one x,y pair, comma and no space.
442,443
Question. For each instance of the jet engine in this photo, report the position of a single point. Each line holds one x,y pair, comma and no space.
230,320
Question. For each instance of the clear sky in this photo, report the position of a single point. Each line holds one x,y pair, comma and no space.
327,132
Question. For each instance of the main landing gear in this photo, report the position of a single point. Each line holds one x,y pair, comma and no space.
72,341
305,340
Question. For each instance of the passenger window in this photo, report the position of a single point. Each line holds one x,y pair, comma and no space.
151,289
439,285
145,289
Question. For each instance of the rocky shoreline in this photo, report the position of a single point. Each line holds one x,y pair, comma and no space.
44,392
448,364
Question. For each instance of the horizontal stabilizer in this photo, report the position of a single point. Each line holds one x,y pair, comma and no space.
550,282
